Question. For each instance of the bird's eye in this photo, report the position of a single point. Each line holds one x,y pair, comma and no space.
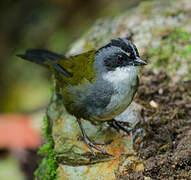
120,58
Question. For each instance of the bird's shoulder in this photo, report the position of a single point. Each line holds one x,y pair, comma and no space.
79,67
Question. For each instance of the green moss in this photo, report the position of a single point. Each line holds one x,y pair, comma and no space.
186,53
172,50
89,45
47,169
180,34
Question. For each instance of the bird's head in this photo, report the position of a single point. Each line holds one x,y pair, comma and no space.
120,52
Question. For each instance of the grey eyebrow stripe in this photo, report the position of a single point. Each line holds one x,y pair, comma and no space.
128,54
133,49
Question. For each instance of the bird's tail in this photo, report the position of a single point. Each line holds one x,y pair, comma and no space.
47,59
40,56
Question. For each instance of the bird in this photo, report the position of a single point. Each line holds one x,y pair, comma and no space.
96,85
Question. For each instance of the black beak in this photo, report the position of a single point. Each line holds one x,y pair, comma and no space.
139,62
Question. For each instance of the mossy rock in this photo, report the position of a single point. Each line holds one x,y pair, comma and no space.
162,32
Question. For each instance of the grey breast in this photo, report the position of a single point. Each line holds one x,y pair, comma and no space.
97,99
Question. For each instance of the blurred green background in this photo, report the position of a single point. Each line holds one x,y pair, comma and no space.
24,87
50,24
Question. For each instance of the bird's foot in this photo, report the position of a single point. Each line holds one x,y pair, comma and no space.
94,145
119,125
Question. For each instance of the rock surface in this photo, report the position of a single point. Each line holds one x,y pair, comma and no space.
75,160
162,32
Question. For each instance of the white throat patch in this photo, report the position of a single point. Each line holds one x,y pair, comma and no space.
124,81
121,74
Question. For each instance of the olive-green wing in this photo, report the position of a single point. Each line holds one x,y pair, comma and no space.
75,69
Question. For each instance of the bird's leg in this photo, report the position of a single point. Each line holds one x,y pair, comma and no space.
119,125
90,144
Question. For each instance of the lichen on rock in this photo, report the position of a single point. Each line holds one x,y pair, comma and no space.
162,32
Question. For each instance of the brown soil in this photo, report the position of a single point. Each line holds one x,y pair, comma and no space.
167,147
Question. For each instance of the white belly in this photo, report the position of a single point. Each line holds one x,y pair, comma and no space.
124,81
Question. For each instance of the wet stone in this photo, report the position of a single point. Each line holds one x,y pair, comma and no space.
73,155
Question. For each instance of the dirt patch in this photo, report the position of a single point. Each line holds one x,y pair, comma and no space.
167,147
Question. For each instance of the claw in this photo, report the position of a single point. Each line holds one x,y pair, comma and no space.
92,144
118,126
